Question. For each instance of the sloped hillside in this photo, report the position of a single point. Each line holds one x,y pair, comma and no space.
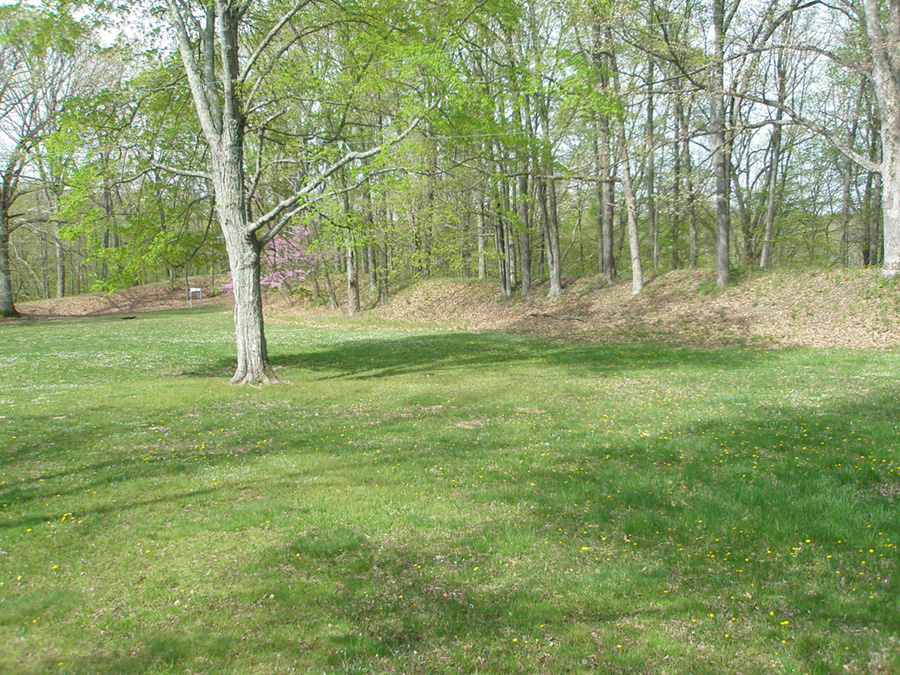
832,308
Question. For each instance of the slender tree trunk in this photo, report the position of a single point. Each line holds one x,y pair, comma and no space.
501,246
482,236
556,272
7,308
546,196
371,263
352,281
351,261
545,223
383,291
844,247
637,274
652,223
602,144
522,205
508,238
719,147
775,160
60,266
608,219
677,208
524,232
689,183
772,199
634,245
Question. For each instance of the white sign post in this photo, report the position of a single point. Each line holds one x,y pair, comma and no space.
199,292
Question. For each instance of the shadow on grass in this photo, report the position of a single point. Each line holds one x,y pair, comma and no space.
379,358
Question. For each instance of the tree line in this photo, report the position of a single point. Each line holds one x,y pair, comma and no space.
527,141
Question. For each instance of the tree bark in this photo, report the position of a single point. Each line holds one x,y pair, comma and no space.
883,43
719,146
60,266
7,307
352,281
637,275
653,225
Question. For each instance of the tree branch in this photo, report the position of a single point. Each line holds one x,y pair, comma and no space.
795,118
288,205
192,70
180,172
266,41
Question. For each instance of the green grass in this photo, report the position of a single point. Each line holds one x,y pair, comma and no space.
439,502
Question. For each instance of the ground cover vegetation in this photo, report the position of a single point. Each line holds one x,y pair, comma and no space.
437,501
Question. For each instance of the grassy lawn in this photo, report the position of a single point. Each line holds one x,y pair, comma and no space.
439,502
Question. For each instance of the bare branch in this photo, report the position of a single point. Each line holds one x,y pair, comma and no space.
282,211
795,118
178,172
192,70
266,41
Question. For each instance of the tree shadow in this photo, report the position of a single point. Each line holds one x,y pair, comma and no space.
380,358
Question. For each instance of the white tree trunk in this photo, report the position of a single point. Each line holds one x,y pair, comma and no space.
243,257
890,201
253,365
884,43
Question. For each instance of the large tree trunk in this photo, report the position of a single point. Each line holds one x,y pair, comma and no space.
253,365
218,105
243,248
885,69
890,201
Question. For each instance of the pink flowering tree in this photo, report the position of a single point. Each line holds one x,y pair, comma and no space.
285,262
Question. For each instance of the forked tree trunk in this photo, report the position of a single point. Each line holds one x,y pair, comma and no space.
243,248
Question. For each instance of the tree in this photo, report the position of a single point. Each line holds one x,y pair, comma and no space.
41,59
883,32
227,79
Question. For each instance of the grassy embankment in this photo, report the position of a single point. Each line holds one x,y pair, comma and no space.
442,502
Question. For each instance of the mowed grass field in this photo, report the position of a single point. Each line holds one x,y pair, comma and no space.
442,502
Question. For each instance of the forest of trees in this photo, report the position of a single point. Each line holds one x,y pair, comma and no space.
526,141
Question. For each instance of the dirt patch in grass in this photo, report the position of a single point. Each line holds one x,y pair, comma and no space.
149,298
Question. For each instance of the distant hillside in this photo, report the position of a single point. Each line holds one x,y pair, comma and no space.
832,308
